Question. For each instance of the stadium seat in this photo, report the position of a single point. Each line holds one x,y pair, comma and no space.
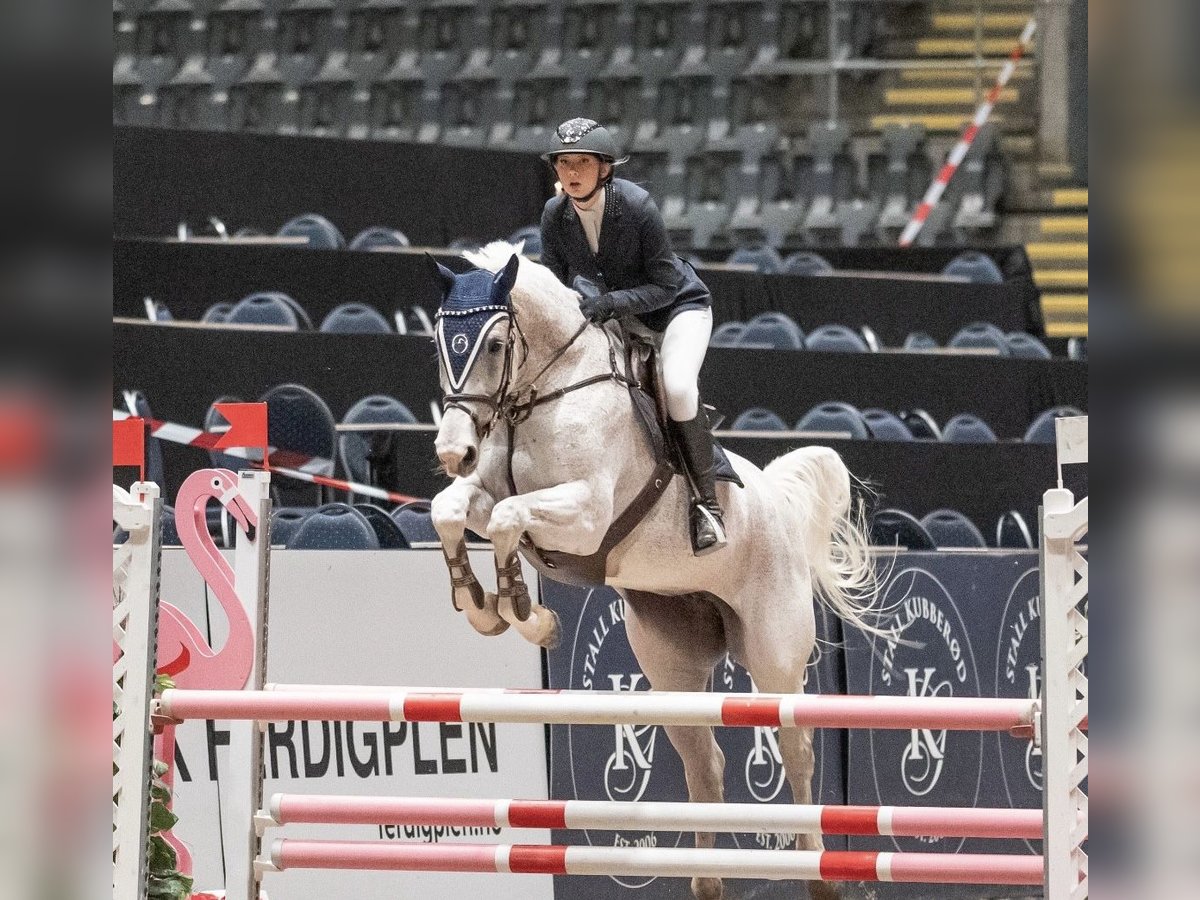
919,340
217,314
268,308
886,426
835,416
1026,346
318,232
765,260
898,175
966,428
976,267
772,329
835,338
921,424
334,526
531,236
284,522
300,422
361,451
415,523
1041,429
1012,532
898,529
387,532
758,418
355,318
379,237
805,262
727,334
170,531
950,528
980,336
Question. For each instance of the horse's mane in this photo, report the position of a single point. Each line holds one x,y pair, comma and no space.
534,280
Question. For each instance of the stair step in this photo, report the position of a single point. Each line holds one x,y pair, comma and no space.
1013,22
990,71
931,121
1065,305
1057,251
1073,225
1064,198
1061,278
945,96
1066,329
934,46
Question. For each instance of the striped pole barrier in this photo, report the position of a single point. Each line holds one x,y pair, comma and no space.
607,708
897,821
673,862
959,153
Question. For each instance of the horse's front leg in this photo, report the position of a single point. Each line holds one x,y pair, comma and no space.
572,517
465,504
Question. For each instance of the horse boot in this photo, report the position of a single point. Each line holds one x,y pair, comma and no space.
707,525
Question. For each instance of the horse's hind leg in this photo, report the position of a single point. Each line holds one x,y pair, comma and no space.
777,643
465,503
677,641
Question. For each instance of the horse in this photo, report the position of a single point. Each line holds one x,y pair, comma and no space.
545,451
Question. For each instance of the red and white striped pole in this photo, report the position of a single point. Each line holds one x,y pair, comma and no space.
942,180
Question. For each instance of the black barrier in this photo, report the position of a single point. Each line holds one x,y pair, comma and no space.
189,278
974,617
433,194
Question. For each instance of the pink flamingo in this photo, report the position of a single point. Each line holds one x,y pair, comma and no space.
183,651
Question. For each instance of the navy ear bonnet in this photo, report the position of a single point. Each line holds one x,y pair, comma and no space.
472,303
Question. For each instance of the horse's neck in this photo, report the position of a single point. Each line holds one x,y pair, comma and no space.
549,326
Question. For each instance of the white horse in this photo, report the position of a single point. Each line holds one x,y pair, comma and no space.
578,460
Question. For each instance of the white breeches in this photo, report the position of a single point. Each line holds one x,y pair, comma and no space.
684,344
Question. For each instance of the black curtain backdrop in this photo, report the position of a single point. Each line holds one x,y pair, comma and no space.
182,370
433,194
189,278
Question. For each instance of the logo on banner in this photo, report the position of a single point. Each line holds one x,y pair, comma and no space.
927,654
627,772
763,772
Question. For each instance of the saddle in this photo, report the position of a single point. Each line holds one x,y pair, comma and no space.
650,410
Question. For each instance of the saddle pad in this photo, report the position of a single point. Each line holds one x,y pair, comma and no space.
643,404
722,467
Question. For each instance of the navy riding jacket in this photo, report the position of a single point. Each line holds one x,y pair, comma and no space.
635,265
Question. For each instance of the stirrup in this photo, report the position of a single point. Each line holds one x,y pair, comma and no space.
715,526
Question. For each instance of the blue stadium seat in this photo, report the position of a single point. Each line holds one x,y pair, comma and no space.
1026,346
966,428
300,422
355,318
805,262
950,528
976,267
387,532
218,313
531,235
1012,532
415,522
356,449
377,237
836,339
1041,429
319,233
898,529
284,522
764,259
776,330
758,418
919,340
170,532
886,426
334,526
267,308
921,424
727,334
157,311
837,417
980,336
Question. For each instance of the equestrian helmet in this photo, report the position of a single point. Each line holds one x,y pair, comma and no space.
581,135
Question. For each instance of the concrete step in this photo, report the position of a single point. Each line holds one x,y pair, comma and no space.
1068,198
943,96
1065,306
1006,22
957,75
1057,251
1063,225
1060,278
1066,329
933,122
938,46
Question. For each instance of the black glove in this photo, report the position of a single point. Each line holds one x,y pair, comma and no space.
598,309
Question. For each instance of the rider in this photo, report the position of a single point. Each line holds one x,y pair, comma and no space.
609,232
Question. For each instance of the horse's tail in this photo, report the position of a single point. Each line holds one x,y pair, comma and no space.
813,487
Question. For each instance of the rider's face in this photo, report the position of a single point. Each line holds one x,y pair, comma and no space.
579,173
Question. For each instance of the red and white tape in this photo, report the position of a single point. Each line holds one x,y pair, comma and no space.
282,462
959,153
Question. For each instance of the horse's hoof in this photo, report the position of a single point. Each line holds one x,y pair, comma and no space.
486,620
707,888
549,633
823,890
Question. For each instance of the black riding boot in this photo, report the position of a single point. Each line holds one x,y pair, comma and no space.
695,440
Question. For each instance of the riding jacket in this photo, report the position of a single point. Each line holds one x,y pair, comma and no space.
635,266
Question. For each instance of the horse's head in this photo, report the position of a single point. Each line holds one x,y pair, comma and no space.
476,343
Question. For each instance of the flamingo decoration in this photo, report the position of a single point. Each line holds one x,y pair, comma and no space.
183,651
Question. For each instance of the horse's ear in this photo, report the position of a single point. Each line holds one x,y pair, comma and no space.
507,277
441,274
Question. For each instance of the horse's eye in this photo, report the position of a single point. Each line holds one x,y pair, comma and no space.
495,346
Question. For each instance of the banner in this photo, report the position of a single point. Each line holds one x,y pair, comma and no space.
383,618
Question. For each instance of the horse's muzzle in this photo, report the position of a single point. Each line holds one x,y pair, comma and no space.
458,461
